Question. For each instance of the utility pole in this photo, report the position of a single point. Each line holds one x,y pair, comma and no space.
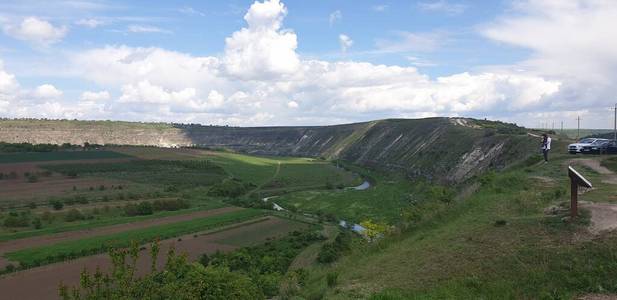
561,127
578,126
615,130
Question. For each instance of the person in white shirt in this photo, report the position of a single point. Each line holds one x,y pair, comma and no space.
546,146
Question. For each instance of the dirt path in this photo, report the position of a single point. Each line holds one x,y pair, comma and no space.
14,245
608,176
42,282
603,216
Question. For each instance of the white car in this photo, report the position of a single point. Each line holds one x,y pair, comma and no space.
578,147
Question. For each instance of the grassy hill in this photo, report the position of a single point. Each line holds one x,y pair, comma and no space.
445,149
496,244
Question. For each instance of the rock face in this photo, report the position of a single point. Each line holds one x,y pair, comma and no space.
442,149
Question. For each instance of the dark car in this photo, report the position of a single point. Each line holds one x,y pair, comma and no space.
600,147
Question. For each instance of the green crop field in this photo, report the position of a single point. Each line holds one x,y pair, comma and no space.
58,155
115,218
87,246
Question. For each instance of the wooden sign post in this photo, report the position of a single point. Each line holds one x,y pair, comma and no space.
576,180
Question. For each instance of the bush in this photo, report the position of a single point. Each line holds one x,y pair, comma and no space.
204,259
56,204
73,215
37,223
31,205
141,209
17,221
170,205
230,187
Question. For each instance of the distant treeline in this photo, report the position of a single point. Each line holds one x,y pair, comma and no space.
28,147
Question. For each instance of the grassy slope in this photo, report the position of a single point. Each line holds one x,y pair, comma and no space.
461,253
122,239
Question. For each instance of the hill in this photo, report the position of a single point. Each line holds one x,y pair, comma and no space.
445,149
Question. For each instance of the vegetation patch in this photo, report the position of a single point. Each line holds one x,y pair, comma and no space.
88,246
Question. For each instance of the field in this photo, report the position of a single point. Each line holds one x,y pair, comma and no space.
57,155
62,211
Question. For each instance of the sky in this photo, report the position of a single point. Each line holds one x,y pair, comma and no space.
319,62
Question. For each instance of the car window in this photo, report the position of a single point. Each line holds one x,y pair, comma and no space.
586,141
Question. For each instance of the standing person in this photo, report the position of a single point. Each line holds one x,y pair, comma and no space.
546,146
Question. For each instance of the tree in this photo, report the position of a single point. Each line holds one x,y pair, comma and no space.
37,223
179,279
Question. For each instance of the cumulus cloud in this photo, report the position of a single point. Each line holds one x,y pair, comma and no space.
380,7
586,64
37,31
345,41
47,91
262,50
95,96
292,104
252,83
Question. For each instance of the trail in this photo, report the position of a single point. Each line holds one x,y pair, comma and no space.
608,176
603,215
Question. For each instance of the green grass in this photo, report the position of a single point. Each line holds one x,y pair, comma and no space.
281,172
460,253
58,155
40,255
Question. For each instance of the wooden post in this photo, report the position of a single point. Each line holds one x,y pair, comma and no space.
573,197
576,180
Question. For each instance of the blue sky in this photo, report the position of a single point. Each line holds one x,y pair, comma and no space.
308,62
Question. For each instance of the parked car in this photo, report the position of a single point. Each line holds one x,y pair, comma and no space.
578,147
611,147
597,147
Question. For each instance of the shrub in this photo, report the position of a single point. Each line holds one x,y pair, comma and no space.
37,223
73,215
31,205
17,221
141,209
204,259
56,204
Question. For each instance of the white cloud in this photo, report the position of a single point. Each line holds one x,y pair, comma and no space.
345,41
47,91
90,23
420,62
187,10
37,31
253,81
95,96
146,29
334,17
262,50
570,41
443,6
292,104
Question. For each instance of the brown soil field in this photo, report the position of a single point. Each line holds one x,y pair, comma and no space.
18,189
158,153
55,185
42,282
